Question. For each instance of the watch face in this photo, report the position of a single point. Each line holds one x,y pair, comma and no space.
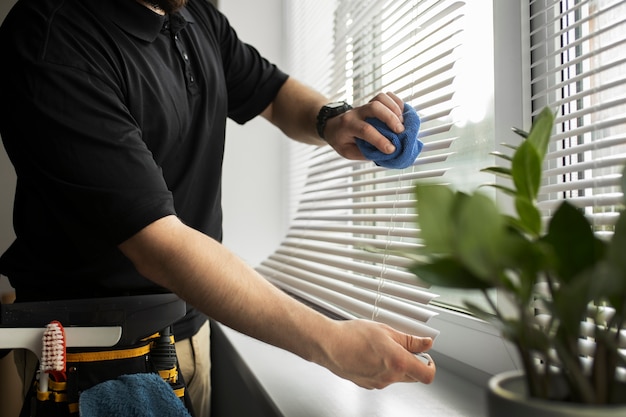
336,105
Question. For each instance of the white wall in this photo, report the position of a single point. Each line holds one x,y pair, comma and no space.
255,182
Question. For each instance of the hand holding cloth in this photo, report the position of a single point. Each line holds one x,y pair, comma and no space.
407,144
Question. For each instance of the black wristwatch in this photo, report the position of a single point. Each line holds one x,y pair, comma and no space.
328,111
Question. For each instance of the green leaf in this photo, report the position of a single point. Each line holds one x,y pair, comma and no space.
505,172
520,132
541,131
570,302
623,184
527,162
617,248
526,170
478,230
617,260
572,242
508,145
614,280
434,208
522,258
502,188
609,284
447,272
501,155
529,216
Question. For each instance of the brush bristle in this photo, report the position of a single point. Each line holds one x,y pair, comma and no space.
53,354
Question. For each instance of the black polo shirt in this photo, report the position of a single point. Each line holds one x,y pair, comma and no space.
114,117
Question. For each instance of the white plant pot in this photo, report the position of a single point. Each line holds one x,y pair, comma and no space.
507,397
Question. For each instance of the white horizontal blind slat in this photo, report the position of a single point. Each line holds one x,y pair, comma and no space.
411,309
356,180
357,195
325,236
357,206
396,288
333,262
382,231
355,308
351,217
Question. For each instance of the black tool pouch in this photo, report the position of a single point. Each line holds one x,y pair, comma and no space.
87,368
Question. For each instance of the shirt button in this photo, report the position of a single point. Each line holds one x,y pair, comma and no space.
185,56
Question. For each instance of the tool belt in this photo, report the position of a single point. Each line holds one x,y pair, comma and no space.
87,368
138,349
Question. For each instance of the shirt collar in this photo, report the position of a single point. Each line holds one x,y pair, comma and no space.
140,21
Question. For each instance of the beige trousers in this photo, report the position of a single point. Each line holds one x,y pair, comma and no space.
194,360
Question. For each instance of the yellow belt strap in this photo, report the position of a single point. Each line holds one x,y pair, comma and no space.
57,397
180,392
169,375
73,407
108,355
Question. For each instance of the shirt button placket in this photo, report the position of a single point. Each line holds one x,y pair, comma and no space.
185,56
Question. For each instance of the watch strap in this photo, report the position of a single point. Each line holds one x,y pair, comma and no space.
329,111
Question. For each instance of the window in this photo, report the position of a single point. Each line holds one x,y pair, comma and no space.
472,70
578,70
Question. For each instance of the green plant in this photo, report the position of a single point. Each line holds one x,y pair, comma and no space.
566,270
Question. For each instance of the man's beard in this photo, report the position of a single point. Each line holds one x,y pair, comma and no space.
169,6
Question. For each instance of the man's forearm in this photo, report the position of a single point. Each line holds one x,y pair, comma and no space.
209,277
294,111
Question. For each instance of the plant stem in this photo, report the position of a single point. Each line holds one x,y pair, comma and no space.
567,349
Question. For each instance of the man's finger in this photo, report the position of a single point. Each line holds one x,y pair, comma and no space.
416,344
391,104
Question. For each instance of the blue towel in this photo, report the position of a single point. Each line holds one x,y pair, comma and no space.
136,395
408,146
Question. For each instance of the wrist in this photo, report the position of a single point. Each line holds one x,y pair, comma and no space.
323,342
312,337
327,112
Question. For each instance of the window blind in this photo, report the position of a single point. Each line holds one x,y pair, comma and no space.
577,68
352,50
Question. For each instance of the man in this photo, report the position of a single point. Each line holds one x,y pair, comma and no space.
113,114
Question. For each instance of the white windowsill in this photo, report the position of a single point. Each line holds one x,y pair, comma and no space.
302,389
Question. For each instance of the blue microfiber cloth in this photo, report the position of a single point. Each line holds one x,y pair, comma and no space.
408,146
136,395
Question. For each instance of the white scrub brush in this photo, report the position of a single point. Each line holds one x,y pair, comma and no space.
53,356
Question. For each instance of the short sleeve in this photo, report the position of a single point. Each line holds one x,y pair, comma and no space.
252,80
